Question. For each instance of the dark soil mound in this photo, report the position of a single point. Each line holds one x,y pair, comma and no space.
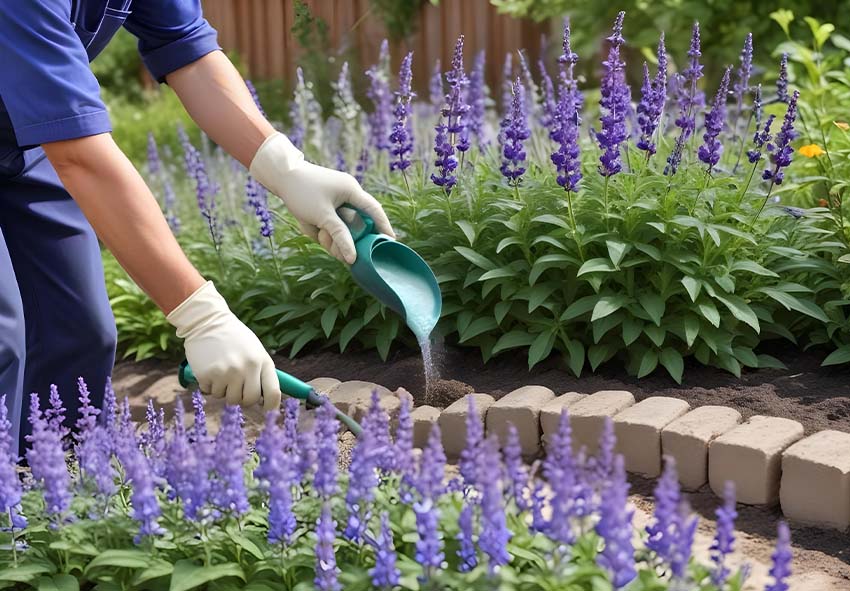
443,392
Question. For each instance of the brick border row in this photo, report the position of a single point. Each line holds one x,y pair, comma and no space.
768,458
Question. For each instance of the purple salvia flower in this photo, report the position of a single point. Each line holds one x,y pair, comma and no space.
604,460
466,538
514,132
199,424
87,414
403,446
516,470
689,99
47,462
258,200
445,162
169,200
686,527
187,468
662,531
154,162
782,80
548,104
379,93
507,82
565,126
780,568
362,165
724,539
432,466
531,90
125,422
760,139
363,478
745,70
429,544
255,95
327,572
435,87
476,97
94,455
306,453
229,493
653,100
378,424
495,534
325,481
5,426
10,485
291,410
469,456
456,111
55,414
614,104
205,192
385,573
275,472
711,149
401,137
757,106
615,528
780,150
539,522
146,511
298,110
559,470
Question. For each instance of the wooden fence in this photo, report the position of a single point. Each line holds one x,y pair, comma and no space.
259,30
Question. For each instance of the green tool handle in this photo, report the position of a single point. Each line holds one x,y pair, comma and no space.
289,385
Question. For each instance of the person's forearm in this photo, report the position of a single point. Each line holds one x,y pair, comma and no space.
217,99
125,216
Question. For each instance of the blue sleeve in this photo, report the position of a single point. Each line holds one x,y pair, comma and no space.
171,33
46,84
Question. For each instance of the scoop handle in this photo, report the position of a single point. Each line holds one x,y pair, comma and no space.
360,225
289,385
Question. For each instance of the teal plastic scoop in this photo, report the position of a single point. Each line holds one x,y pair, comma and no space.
395,274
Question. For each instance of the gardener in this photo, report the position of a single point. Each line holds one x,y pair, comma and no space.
64,183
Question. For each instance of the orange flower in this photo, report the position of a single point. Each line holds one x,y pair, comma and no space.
843,126
823,202
811,151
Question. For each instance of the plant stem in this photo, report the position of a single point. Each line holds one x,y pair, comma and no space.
605,197
763,203
746,187
573,223
14,542
699,193
276,266
743,143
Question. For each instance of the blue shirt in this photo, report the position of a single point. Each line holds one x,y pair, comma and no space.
47,90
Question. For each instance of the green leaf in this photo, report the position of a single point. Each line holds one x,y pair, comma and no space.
120,559
648,363
691,329
791,302
632,328
597,354
475,258
752,267
244,542
656,334
820,32
784,18
188,575
596,266
552,220
549,261
24,573
512,340
575,350
730,364
348,332
579,307
654,305
477,327
838,357
539,294
740,310
672,361
607,305
501,309
616,251
308,333
468,230
709,312
692,286
745,356
506,242
770,362
159,568
58,583
540,348
328,320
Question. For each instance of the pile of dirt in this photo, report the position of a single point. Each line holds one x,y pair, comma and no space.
443,393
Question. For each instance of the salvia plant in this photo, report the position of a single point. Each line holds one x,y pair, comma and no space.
648,225
172,506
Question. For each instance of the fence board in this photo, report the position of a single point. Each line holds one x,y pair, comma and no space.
259,31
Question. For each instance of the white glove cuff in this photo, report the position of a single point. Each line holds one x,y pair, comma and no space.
197,310
276,157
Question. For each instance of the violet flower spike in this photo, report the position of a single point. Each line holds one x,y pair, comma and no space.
445,162
275,472
377,422
468,462
230,493
466,538
476,97
456,111
380,119
46,458
11,491
507,82
435,87
614,104
6,426
685,528
742,82
760,139
257,198
495,534
615,528
724,539
652,102
781,558
516,469
385,574
782,80
689,100
401,136
325,480
255,95
146,510
781,151
662,531
327,572
55,414
548,105
514,132
711,149
154,161
362,481
560,471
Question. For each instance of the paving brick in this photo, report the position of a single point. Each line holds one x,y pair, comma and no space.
521,408
354,397
453,421
551,413
424,417
587,416
687,439
815,485
638,430
323,384
750,456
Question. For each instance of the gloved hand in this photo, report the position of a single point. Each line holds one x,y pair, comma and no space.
228,359
313,194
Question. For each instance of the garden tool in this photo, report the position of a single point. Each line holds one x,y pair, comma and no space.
289,385
395,274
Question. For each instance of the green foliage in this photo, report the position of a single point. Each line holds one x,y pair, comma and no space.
119,68
311,34
399,16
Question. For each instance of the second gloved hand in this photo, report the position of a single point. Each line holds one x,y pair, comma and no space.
228,360
313,194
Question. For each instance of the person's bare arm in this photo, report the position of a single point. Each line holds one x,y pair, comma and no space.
125,216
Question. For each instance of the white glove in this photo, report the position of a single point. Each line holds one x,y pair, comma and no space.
313,194
228,360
